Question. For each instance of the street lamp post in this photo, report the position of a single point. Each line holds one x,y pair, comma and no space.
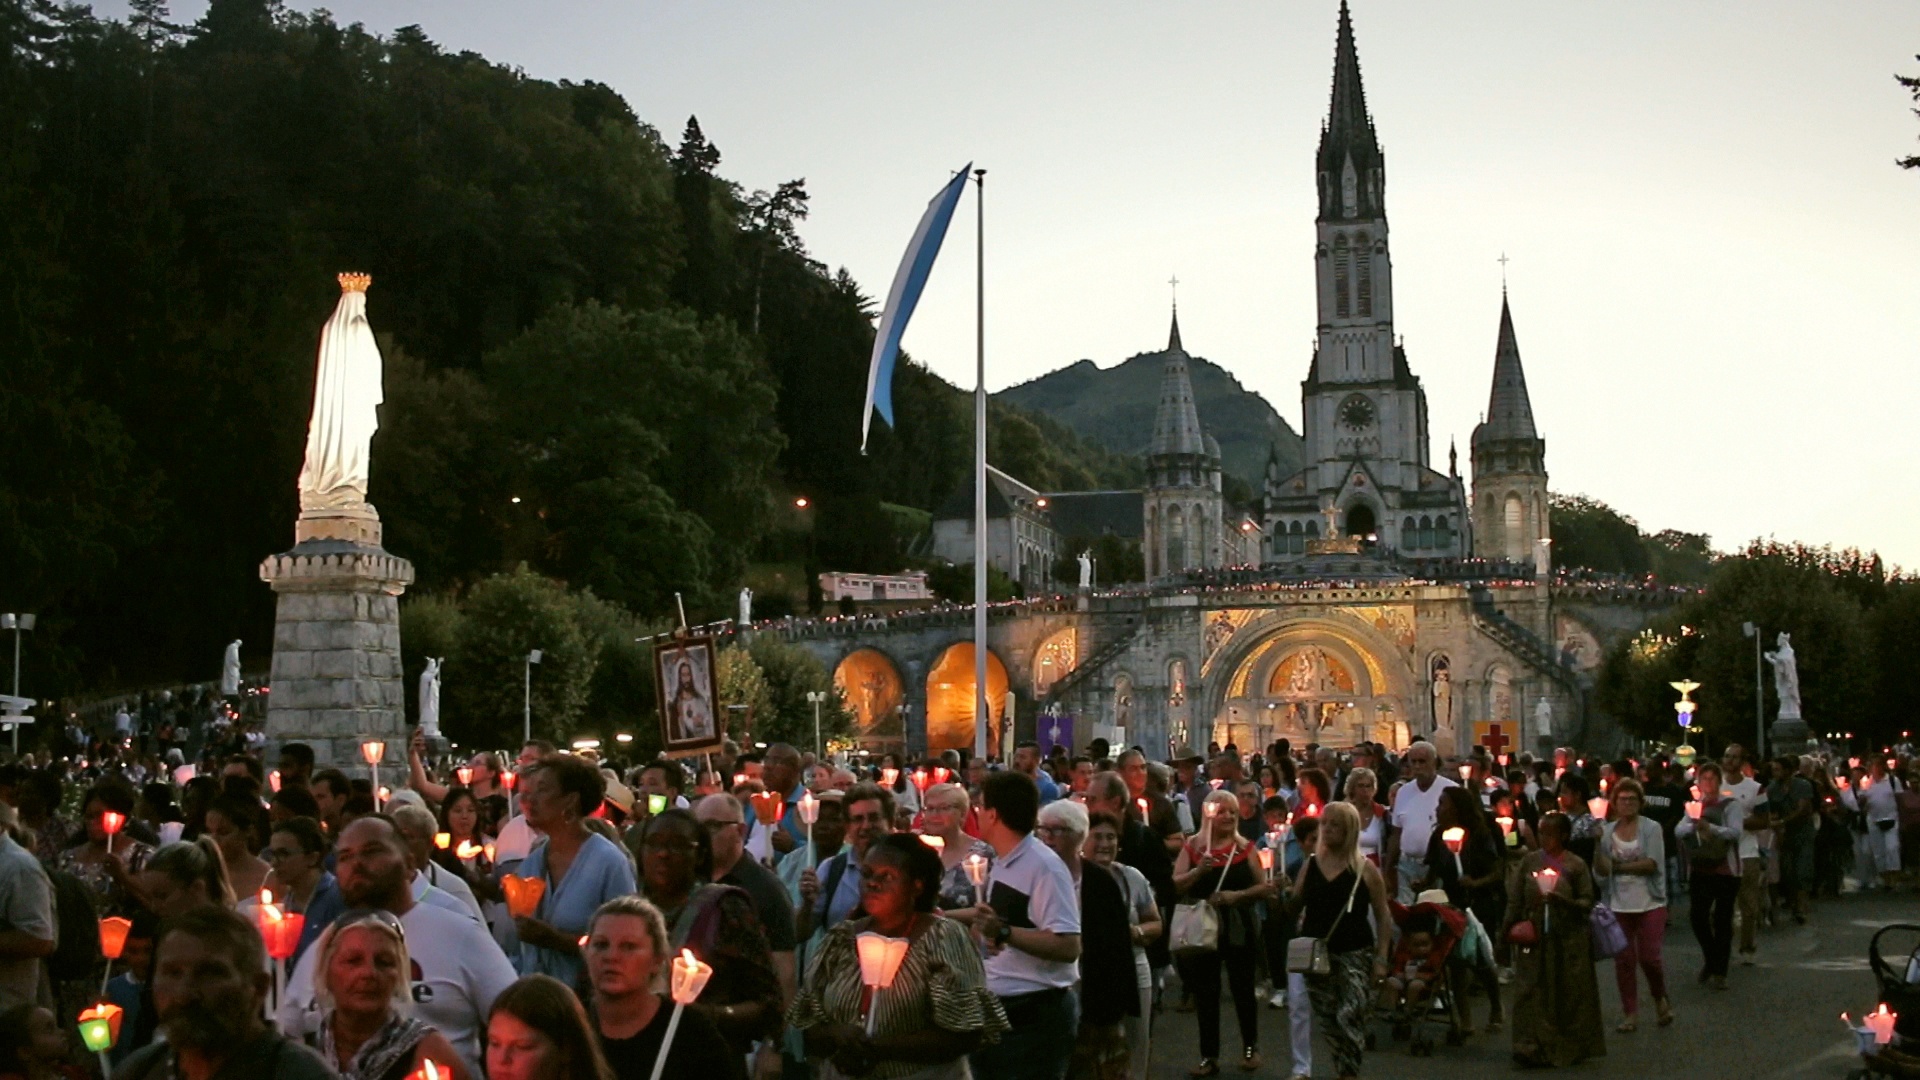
526,702
1752,630
18,624
1684,708
817,697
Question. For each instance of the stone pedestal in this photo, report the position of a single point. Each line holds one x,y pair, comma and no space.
336,643
1787,736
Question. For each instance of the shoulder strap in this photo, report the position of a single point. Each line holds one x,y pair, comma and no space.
834,875
1347,908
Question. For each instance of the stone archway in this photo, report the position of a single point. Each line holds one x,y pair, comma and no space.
1317,676
871,686
951,705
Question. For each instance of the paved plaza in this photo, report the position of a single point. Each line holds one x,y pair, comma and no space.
1778,1020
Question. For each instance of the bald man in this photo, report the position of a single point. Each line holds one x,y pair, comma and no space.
725,822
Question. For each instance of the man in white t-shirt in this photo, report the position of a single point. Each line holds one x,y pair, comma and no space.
1414,807
1755,839
457,970
1030,927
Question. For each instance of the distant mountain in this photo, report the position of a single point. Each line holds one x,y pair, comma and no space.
1114,407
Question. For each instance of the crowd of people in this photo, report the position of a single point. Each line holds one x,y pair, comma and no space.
531,919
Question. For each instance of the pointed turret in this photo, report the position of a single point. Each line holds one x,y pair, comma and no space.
1509,411
1176,427
1352,167
1510,501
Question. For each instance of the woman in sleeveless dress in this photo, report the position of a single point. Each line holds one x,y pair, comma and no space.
1338,888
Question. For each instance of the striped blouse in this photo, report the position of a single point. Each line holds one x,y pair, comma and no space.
941,983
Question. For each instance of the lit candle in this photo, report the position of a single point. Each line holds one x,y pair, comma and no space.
1266,862
689,977
739,779
113,941
880,958
100,1029
1548,879
1881,1024
1455,838
373,750
921,779
523,894
1597,806
507,779
1693,809
1143,805
487,850
976,865
1466,770
443,841
809,815
429,1070
464,774
941,774
888,777
111,824
273,781
467,850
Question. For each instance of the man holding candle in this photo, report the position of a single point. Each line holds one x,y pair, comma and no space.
780,770
1414,808
1030,927
1710,833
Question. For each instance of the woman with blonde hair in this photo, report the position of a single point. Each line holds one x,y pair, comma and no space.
182,876
1360,792
1217,867
362,987
1330,886
627,958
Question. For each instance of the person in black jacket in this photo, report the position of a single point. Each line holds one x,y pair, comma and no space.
1106,989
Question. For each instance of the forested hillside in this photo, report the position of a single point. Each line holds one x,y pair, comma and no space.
604,359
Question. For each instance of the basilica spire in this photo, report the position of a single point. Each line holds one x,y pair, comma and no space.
1176,426
1509,410
1351,166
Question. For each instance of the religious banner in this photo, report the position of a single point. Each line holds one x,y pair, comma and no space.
1054,730
686,684
1498,736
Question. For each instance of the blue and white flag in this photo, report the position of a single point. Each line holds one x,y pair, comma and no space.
908,281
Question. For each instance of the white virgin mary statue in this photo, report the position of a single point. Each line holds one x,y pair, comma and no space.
346,399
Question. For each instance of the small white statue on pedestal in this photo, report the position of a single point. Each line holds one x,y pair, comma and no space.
746,610
230,670
430,698
1086,569
1786,677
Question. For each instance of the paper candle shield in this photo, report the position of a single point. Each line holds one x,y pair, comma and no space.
936,843
1547,880
111,823
100,1026
1597,806
113,936
1454,838
689,977
809,808
888,777
976,869
464,774
656,805
523,894
768,806
880,958
442,840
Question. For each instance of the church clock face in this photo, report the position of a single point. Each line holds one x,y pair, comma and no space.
1357,412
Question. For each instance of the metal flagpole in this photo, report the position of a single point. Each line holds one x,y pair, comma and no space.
982,717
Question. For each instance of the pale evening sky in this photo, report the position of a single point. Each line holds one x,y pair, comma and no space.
1714,274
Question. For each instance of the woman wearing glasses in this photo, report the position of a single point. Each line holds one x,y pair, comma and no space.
300,881
937,1008
366,1030
943,814
717,922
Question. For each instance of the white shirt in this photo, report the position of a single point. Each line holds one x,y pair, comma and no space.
453,885
515,841
1031,889
426,892
1749,793
26,905
1413,814
457,972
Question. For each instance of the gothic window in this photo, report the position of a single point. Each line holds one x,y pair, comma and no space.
1427,536
1363,256
1349,191
1296,540
1176,540
1441,535
1341,255
1313,530
1409,534
1513,520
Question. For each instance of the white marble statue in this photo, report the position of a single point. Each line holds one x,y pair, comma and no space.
1543,717
1086,569
230,670
346,399
745,618
430,698
1786,677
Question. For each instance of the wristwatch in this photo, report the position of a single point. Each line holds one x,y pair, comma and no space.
1002,934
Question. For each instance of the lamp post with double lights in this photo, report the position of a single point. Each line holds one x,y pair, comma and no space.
817,698
19,624
526,701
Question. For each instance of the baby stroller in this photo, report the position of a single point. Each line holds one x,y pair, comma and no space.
1900,993
1444,1007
